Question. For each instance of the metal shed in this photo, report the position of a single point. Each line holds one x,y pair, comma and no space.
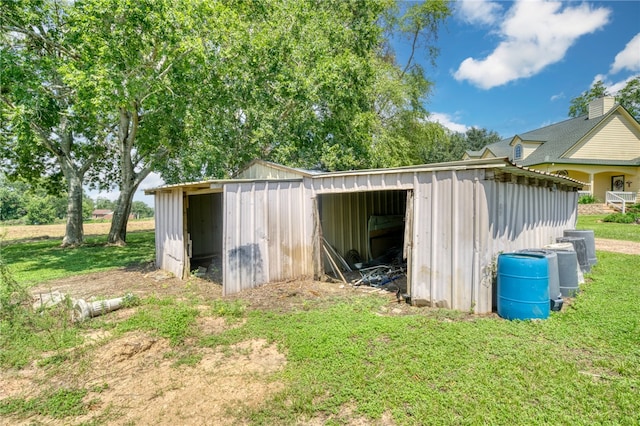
452,220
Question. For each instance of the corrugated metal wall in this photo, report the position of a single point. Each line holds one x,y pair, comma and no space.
462,222
268,233
169,221
344,217
462,219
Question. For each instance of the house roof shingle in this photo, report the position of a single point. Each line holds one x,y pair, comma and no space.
556,140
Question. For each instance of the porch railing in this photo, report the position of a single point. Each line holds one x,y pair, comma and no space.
619,199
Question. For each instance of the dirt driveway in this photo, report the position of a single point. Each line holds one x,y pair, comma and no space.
617,246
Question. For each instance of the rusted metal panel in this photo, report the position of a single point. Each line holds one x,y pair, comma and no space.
170,243
462,222
340,183
268,233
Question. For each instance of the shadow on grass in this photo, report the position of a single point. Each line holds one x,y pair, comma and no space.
42,260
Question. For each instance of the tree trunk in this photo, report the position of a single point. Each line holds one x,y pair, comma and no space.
118,231
129,179
74,233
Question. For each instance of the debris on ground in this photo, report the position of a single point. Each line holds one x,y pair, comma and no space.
387,272
81,309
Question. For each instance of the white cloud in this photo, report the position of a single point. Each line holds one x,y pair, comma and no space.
447,121
536,34
152,181
559,96
614,87
629,57
479,12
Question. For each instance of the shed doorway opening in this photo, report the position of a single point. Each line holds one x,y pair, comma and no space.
371,231
204,235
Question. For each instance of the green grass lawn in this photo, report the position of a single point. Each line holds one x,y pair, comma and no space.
580,366
43,260
614,231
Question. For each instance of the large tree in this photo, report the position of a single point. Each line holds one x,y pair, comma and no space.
49,129
146,59
628,97
100,89
319,87
195,89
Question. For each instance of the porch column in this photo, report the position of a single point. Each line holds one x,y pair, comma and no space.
591,184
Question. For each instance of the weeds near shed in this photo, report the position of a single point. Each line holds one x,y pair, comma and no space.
58,404
25,333
167,317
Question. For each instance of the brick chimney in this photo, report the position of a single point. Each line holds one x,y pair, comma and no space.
601,106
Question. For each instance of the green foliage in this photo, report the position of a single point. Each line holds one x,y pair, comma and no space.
628,97
634,208
12,203
58,404
587,199
610,230
87,207
25,333
141,210
40,261
622,218
105,204
167,317
40,211
233,309
12,295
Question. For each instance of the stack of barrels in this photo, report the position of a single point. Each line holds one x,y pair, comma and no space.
533,282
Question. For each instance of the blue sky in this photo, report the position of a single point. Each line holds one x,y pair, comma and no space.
514,66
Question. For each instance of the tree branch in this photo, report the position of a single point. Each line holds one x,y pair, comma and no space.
42,38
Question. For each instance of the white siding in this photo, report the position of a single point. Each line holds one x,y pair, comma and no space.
268,234
618,139
169,220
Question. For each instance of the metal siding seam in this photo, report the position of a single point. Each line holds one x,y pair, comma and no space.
274,246
433,243
476,275
454,240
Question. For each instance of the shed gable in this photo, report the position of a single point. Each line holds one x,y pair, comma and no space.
259,169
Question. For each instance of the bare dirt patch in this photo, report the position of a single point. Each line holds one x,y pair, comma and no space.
142,281
132,381
135,379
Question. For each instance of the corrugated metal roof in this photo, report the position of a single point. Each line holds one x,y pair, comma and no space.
500,162
492,163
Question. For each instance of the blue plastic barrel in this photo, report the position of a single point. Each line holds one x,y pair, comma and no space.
523,286
555,298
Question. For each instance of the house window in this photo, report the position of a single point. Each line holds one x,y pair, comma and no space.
517,152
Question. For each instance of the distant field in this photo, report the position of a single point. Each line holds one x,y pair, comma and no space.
27,232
